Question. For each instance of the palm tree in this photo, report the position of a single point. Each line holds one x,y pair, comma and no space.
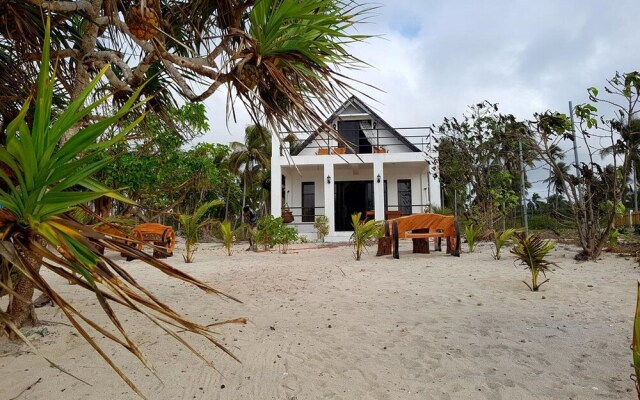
252,156
556,180
556,153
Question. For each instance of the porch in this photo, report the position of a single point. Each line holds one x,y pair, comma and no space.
379,186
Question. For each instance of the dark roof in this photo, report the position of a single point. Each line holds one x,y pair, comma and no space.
365,109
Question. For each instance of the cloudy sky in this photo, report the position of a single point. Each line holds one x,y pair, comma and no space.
437,57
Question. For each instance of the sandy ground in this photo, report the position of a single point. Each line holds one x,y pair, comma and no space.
323,326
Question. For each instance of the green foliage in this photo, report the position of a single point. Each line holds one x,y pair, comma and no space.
531,252
364,234
635,342
228,235
500,239
272,231
160,174
321,225
443,210
48,178
613,238
191,226
471,233
284,236
478,157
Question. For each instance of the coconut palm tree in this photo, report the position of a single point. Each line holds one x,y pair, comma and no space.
252,156
556,153
42,181
556,180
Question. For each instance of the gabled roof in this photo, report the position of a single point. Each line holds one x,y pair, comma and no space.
382,124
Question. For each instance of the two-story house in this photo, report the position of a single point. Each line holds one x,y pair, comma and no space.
377,172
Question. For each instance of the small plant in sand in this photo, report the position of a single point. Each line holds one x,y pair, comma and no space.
228,235
500,238
285,235
613,238
531,252
191,225
272,231
321,226
364,234
635,342
471,233
264,234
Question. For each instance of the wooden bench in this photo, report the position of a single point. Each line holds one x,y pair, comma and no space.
162,237
132,239
421,228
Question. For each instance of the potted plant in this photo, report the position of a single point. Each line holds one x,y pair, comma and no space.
287,214
380,149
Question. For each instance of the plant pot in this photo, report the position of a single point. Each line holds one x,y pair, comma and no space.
377,149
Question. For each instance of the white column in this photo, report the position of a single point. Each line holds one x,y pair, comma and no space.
378,190
434,189
329,196
276,177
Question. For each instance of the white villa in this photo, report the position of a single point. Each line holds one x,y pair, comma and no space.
385,175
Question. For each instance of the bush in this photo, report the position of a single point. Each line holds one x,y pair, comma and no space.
321,225
271,231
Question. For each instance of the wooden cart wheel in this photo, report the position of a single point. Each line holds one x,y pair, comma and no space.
169,237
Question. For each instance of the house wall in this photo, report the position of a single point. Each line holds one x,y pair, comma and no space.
294,177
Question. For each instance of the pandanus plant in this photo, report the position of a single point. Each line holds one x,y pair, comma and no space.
531,252
635,343
43,180
364,233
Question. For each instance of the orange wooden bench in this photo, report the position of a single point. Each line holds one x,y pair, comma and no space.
119,235
162,237
421,228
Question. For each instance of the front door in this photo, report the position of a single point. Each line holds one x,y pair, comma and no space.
352,197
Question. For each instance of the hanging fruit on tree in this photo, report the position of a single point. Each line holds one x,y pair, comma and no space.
143,20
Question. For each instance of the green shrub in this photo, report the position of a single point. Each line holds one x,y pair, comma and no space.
613,238
271,231
364,233
321,225
635,342
443,210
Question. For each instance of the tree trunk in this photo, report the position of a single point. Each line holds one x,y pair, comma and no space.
23,313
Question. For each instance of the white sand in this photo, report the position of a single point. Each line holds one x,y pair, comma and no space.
323,326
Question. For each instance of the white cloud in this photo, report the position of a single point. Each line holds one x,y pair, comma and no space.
438,57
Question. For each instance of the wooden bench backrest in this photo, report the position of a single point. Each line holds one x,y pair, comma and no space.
152,228
154,232
433,222
110,230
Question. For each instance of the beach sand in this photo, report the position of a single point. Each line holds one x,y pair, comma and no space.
324,326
